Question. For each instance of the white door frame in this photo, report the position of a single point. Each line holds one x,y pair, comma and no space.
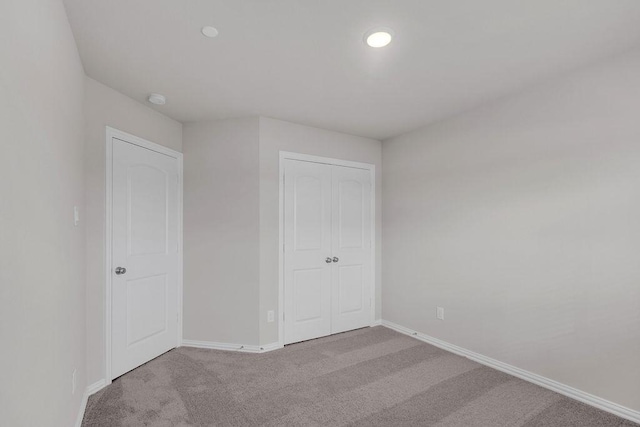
287,155
134,140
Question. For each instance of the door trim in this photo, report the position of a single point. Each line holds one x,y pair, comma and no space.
287,155
112,133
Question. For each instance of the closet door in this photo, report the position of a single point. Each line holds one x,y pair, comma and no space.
307,249
351,249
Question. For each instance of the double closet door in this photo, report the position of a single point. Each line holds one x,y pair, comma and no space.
327,249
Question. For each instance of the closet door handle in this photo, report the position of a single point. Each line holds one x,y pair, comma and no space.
336,259
328,260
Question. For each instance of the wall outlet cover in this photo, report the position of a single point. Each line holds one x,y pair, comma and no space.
440,313
270,316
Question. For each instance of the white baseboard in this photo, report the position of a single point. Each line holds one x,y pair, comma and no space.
83,407
547,383
271,347
376,322
91,389
96,387
243,348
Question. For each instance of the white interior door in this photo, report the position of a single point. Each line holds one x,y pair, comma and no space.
307,235
327,249
351,249
145,256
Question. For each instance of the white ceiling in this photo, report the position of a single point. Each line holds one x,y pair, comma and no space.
305,60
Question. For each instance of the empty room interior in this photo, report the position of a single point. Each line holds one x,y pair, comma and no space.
320,213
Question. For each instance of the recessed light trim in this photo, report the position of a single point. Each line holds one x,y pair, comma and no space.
378,37
209,31
157,99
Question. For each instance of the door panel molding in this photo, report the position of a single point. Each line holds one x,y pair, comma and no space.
307,242
286,155
351,219
111,135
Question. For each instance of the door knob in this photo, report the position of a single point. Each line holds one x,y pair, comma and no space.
336,259
120,270
328,260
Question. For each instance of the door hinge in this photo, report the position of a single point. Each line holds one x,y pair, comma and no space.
370,302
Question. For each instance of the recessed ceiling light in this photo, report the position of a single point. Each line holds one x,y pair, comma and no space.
156,98
378,37
209,32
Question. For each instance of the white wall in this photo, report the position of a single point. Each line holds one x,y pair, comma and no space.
521,219
231,221
221,235
42,311
103,107
276,136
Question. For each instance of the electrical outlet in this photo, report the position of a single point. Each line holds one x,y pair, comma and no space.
270,316
73,382
440,313
76,216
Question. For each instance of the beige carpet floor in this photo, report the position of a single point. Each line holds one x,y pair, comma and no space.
369,377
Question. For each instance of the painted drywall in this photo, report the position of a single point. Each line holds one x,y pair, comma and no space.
276,136
104,107
221,231
521,220
231,221
42,310
305,60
